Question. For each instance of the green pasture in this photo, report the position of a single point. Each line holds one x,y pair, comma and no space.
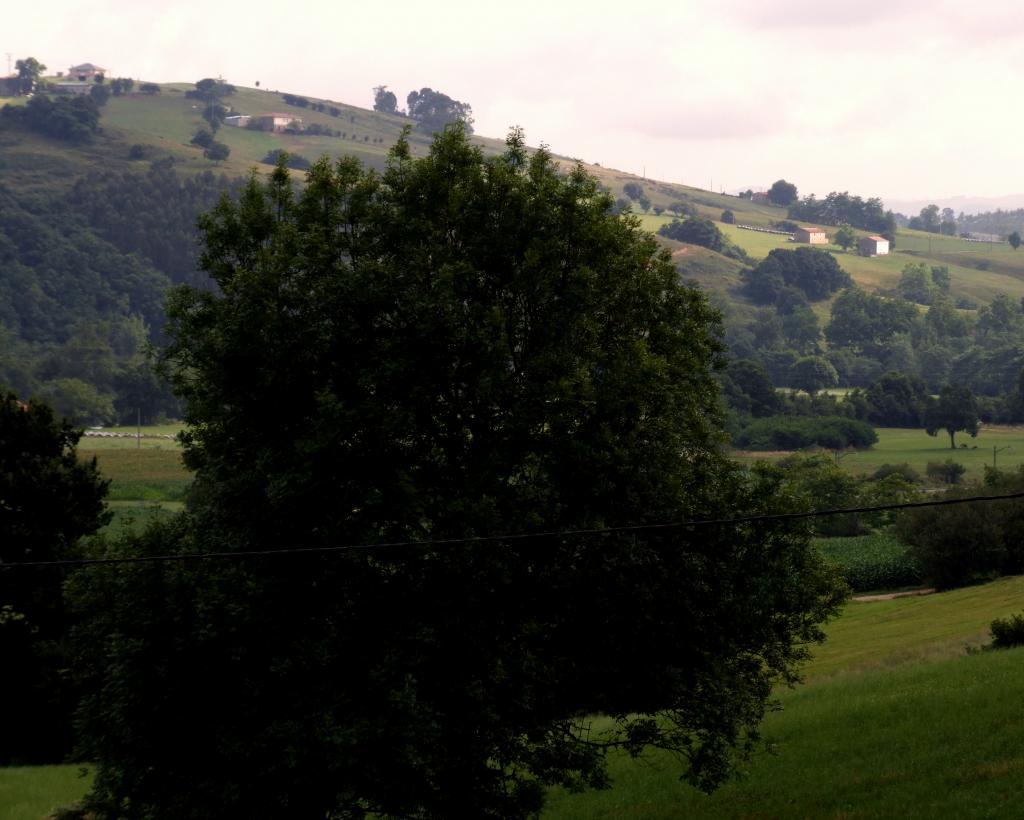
36,792
932,740
916,448
147,477
896,719
142,475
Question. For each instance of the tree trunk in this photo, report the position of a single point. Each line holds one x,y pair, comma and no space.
952,443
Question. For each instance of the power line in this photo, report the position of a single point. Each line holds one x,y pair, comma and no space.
484,539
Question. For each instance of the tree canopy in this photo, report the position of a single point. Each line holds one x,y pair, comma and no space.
955,409
782,193
460,347
49,500
433,110
383,100
28,71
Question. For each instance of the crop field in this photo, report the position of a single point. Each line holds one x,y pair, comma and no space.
871,563
147,477
143,475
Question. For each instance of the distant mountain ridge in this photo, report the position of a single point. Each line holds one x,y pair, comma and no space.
960,203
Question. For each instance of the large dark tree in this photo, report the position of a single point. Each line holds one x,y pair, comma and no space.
461,347
49,500
782,193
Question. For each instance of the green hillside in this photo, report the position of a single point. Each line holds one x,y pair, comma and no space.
122,208
165,122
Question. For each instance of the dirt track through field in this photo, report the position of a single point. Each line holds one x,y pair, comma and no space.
888,596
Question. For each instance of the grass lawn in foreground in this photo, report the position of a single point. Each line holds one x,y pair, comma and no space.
34,792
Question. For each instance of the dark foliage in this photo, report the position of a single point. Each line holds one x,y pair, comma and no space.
796,432
295,161
75,120
897,400
49,500
384,101
695,231
948,471
843,209
782,192
965,543
815,273
954,410
1007,632
217,151
433,110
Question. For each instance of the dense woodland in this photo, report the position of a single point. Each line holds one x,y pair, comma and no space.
86,273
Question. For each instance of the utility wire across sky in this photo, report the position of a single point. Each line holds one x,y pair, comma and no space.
484,539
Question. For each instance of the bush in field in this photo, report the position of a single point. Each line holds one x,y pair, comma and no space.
948,471
296,161
872,562
902,469
797,432
1007,632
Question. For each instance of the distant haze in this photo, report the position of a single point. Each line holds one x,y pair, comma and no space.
960,204
897,99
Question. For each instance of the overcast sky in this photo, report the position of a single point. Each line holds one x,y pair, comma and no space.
894,98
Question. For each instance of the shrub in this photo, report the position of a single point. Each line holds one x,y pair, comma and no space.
296,161
217,151
1007,632
728,217
203,138
948,471
695,231
902,469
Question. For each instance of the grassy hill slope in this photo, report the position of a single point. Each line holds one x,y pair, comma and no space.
896,720
164,124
